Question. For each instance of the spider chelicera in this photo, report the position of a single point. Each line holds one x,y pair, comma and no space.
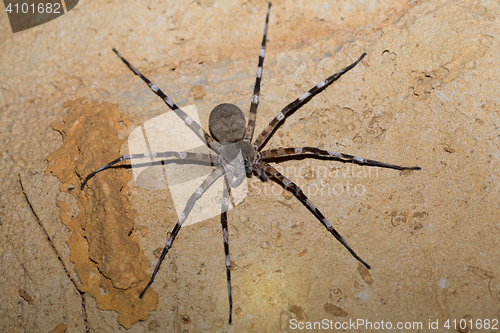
237,157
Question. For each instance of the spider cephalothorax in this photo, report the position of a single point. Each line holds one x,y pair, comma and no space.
227,125
238,156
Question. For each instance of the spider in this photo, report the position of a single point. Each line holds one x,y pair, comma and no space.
237,156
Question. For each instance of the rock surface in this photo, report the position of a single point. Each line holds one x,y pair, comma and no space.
426,94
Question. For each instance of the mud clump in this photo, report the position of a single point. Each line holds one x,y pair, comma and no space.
104,247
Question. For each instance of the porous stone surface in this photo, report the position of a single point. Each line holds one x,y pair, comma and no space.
426,94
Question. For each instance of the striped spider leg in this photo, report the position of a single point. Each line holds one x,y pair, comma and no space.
216,174
295,105
272,173
256,91
185,156
275,154
225,235
193,125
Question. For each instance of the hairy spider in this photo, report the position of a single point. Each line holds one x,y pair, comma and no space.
237,157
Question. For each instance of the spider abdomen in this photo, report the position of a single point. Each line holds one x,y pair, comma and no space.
227,123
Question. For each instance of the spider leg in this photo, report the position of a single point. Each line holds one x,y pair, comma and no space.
266,133
216,174
297,191
256,91
204,136
273,154
180,155
225,234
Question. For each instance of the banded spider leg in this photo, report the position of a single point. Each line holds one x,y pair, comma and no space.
193,125
216,174
272,173
187,156
275,154
225,234
256,91
296,104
